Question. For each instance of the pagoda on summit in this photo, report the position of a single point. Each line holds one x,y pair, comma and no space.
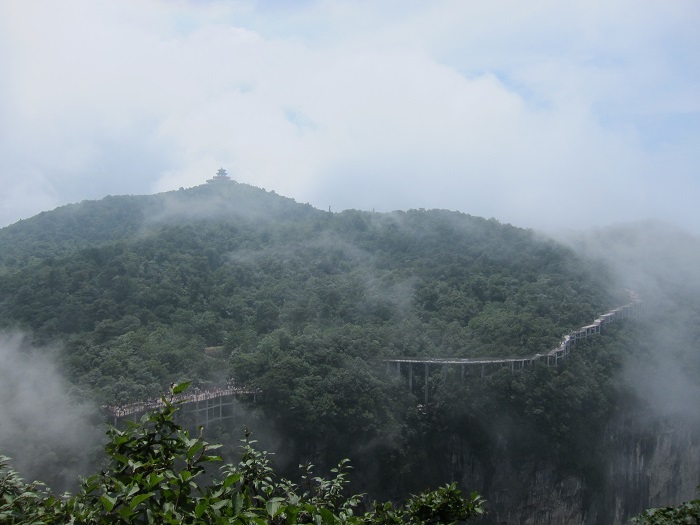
219,177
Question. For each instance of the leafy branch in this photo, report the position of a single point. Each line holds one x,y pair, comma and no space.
155,475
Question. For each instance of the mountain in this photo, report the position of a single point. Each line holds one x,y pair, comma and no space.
227,281
91,223
227,265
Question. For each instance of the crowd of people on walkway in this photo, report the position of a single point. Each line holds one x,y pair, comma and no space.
195,395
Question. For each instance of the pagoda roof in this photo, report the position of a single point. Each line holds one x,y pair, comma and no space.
220,176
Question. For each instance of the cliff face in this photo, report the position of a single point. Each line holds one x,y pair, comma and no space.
652,464
643,465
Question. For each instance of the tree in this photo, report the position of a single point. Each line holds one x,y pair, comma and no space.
156,474
684,514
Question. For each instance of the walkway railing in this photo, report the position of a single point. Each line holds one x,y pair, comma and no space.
119,411
553,357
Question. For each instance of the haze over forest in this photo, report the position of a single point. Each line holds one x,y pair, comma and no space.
443,179
549,115
110,301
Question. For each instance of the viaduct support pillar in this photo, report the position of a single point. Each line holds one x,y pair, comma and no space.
426,383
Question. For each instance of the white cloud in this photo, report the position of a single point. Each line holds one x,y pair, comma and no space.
522,111
41,421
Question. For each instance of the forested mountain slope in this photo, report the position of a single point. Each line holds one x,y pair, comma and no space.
73,227
160,278
229,281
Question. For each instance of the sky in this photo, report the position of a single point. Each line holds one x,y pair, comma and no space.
544,114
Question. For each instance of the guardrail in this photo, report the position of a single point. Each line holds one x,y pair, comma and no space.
119,411
553,356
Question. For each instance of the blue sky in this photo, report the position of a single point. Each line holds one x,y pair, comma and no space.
544,114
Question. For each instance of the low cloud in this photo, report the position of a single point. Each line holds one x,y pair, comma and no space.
662,264
545,116
49,435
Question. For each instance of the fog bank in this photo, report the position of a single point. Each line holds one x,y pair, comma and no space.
49,435
662,264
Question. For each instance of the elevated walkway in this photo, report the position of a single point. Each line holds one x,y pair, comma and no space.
200,407
552,357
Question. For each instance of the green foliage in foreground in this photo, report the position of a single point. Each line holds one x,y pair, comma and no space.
157,474
684,514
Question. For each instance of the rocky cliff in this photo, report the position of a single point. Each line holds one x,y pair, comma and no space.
644,463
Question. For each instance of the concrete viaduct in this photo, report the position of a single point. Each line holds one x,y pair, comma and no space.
215,405
552,357
196,408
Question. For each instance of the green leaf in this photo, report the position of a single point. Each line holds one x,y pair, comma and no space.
273,506
219,504
108,502
231,479
201,507
121,458
237,504
194,449
204,459
185,475
177,389
138,499
155,478
292,512
327,515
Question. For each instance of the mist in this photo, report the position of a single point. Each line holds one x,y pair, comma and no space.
661,263
48,434
507,110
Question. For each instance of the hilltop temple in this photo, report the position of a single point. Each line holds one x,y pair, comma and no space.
220,176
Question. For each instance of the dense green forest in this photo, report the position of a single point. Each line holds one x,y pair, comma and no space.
138,287
226,281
